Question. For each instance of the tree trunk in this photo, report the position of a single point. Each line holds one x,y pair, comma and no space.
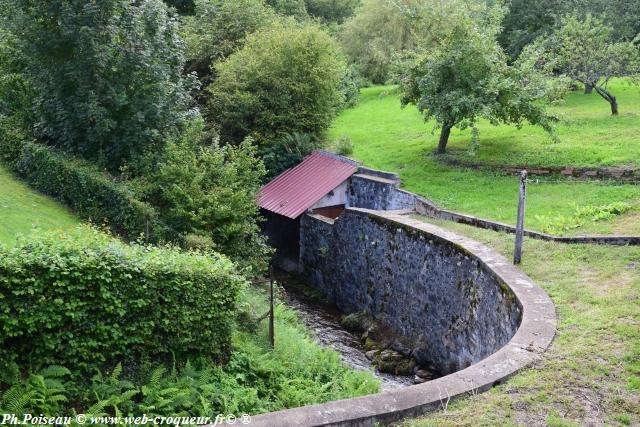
608,96
588,89
444,138
614,105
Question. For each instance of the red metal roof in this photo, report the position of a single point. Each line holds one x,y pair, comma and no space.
299,188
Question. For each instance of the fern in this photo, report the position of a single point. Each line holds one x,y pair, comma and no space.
16,400
55,371
156,376
117,371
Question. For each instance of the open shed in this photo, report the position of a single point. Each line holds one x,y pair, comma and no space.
322,186
318,184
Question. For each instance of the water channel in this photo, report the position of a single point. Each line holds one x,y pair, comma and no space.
323,321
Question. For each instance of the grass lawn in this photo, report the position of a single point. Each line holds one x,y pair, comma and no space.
22,209
394,139
591,373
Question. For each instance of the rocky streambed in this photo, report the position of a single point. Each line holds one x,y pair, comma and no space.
360,341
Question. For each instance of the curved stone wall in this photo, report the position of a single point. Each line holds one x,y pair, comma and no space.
444,304
467,308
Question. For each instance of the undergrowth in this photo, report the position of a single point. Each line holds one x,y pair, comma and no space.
560,224
256,379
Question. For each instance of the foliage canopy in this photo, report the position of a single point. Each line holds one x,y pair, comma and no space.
583,50
461,74
218,28
106,77
377,32
285,79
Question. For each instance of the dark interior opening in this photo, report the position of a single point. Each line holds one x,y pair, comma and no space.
283,234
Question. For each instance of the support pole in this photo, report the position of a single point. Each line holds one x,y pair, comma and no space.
517,254
271,314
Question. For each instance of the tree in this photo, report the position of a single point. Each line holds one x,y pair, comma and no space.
285,79
462,74
295,8
107,76
528,20
219,28
582,50
331,10
184,7
623,16
374,35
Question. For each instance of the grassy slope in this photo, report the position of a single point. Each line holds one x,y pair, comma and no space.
305,373
22,209
591,374
388,137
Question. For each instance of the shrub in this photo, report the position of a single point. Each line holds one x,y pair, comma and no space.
87,191
219,28
287,152
85,299
256,378
295,8
350,87
285,79
208,193
344,146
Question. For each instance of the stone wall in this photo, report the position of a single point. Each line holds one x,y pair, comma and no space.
378,192
431,292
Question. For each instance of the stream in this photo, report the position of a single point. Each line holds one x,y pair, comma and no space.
323,321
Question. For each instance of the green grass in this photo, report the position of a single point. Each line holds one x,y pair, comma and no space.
22,209
296,373
591,373
385,136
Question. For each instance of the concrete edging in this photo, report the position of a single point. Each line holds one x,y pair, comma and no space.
533,337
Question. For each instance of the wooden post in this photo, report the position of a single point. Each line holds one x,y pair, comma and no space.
271,314
517,254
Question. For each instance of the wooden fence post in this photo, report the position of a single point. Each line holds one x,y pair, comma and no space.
517,254
271,314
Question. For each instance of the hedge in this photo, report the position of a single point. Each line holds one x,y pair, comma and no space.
85,299
91,194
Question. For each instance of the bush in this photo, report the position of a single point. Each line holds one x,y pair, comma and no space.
350,87
287,152
344,146
256,379
88,192
201,197
83,300
208,193
285,79
219,28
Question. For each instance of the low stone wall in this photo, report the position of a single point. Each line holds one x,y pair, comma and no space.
478,298
379,190
427,208
623,174
446,305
